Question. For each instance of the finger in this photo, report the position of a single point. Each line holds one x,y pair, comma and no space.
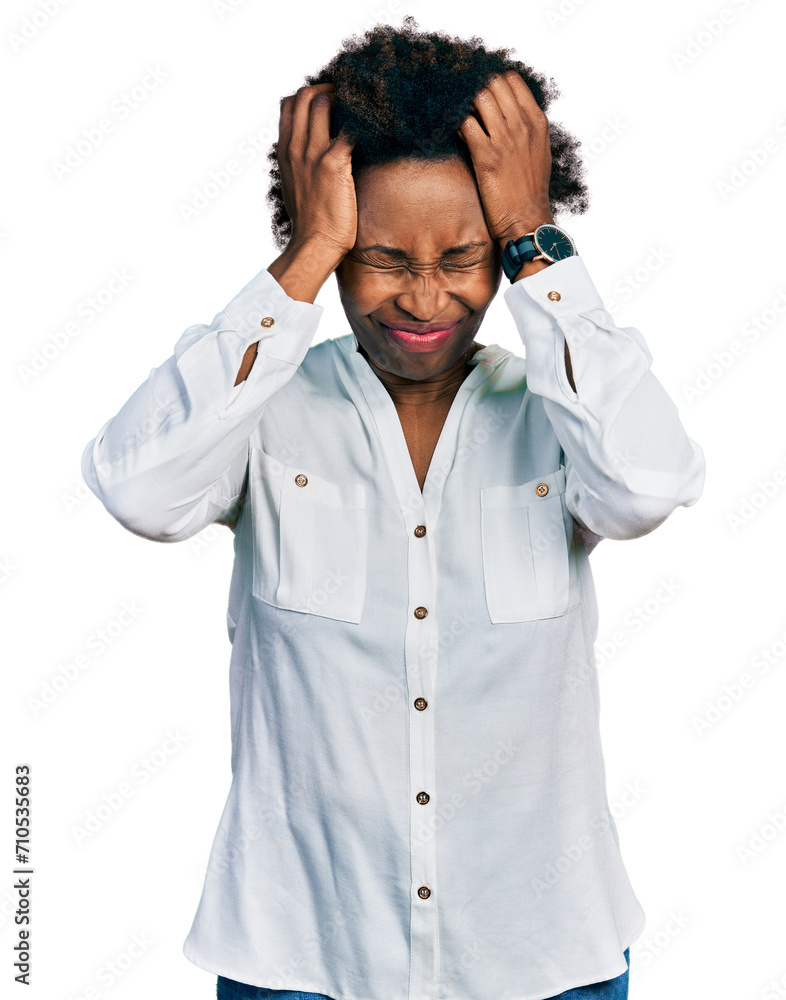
505,96
301,115
471,130
515,100
319,135
524,97
343,136
341,148
319,125
488,111
319,132
285,122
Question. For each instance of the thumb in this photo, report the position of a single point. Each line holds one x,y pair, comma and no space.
344,139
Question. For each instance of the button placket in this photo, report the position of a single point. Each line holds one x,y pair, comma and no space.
420,509
421,644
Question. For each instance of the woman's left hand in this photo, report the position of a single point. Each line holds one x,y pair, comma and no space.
511,158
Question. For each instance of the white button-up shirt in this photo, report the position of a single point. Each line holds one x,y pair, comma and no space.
418,808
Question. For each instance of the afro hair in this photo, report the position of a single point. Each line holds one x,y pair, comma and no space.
402,93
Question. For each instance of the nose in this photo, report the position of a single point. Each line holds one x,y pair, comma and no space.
424,297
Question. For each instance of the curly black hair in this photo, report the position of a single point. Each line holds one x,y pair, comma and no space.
402,93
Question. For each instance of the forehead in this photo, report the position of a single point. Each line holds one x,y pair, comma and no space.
410,201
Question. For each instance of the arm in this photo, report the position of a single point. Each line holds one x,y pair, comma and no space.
628,461
301,273
174,457
532,267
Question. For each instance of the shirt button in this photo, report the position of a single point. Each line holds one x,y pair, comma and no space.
420,704
421,612
420,531
424,892
267,321
541,489
301,480
423,797
554,296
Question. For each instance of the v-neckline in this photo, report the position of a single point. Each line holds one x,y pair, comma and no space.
391,431
418,424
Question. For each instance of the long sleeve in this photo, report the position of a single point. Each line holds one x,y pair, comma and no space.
175,456
628,460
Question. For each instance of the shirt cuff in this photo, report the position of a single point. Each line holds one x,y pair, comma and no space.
569,284
605,359
289,335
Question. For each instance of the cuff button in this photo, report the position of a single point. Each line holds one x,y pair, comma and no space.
554,296
267,321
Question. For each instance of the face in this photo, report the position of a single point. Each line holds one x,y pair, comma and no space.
424,268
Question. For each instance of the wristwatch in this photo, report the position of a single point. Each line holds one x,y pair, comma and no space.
548,242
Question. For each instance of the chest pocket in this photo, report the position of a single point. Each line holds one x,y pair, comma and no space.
310,539
529,566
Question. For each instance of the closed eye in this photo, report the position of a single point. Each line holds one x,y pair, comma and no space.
399,267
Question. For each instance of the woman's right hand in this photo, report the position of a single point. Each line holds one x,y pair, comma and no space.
316,172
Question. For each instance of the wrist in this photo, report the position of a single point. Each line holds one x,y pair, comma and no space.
518,229
303,268
317,251
530,267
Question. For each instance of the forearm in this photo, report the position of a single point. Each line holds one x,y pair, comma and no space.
629,461
173,458
301,271
532,267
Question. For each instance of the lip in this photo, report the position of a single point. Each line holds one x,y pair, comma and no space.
411,340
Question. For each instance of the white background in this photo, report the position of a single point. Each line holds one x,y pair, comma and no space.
668,111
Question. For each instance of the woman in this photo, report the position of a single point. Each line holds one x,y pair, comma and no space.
418,805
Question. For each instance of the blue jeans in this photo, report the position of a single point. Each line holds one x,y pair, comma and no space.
611,989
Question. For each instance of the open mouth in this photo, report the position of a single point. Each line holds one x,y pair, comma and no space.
419,341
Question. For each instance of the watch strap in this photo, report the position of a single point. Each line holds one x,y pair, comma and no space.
516,253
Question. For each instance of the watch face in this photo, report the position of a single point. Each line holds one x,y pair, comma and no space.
554,242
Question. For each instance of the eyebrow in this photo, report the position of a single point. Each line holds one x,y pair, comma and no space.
451,252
